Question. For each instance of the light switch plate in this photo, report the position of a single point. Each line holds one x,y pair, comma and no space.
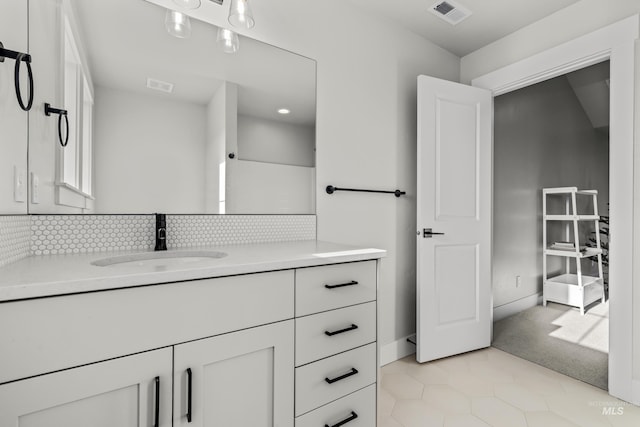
35,188
19,185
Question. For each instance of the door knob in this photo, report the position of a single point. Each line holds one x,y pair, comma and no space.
427,233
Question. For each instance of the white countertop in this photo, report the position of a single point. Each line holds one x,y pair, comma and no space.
49,275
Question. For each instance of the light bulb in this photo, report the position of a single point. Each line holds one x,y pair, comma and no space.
228,40
177,24
240,14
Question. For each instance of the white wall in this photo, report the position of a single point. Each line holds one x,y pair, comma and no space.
13,19
163,138
271,141
567,24
542,138
13,120
636,231
366,133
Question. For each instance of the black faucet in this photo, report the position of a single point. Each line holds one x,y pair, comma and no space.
161,232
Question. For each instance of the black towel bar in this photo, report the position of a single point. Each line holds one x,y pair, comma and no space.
331,189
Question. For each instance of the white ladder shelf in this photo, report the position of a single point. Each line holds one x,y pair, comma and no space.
574,289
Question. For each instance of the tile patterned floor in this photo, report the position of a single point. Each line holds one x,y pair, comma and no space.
491,388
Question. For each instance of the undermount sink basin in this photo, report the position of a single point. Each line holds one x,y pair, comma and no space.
162,259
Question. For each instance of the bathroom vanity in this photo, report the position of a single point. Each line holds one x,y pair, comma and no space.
279,334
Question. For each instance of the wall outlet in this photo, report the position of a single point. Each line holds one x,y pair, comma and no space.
518,281
19,185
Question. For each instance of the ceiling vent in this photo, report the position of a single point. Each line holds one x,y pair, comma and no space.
159,85
450,11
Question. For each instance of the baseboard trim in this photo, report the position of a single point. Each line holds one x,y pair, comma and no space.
396,350
516,307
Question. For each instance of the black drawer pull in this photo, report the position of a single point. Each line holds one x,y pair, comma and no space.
352,417
353,371
350,328
157,408
189,389
351,283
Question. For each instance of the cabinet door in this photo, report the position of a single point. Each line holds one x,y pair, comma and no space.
132,391
13,121
239,379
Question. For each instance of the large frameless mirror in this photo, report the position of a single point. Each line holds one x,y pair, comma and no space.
159,123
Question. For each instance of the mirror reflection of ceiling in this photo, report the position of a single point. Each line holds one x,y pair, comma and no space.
126,43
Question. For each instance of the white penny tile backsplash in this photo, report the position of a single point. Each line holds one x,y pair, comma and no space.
25,235
74,234
203,230
15,238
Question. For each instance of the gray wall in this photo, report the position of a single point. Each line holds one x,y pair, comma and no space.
542,139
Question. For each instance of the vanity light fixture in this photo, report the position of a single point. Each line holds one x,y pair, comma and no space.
228,40
188,4
284,111
240,15
177,24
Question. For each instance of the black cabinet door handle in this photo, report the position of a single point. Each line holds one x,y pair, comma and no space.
353,371
156,422
189,389
341,331
351,417
341,285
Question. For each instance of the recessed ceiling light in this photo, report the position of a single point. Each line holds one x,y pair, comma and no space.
188,4
284,111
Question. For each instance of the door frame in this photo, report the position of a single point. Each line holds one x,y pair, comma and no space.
615,42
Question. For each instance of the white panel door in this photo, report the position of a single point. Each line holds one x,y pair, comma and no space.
132,391
454,202
239,379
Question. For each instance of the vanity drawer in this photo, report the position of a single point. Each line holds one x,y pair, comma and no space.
47,334
324,334
333,286
320,382
358,407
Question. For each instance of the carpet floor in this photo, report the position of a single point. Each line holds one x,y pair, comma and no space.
559,338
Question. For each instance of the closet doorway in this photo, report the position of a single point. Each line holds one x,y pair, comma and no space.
551,134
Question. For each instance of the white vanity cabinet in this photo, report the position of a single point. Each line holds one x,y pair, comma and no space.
336,351
132,391
293,347
210,325
240,379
